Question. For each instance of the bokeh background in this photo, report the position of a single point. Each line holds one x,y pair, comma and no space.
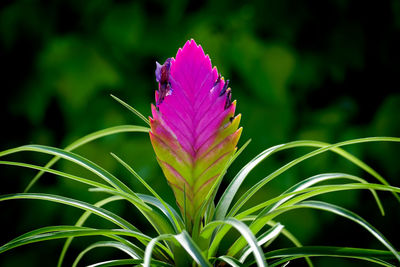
321,70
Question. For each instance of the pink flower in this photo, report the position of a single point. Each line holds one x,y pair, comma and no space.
193,130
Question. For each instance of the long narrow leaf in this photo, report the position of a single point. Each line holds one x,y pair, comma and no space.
354,217
33,236
262,239
323,189
59,173
48,229
294,191
249,193
243,230
87,164
102,244
322,206
231,261
74,203
185,241
297,196
285,233
124,262
306,183
262,218
286,261
57,232
134,111
292,238
307,193
80,222
76,233
360,253
87,139
160,223
230,192
177,225
152,201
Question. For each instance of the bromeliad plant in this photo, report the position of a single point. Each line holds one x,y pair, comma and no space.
194,133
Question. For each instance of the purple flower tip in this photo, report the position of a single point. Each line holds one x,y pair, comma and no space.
162,77
158,72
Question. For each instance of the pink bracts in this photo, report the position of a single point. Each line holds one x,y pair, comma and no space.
193,129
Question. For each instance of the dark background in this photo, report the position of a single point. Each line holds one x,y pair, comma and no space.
321,70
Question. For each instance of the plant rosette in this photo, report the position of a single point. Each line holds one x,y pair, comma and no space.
194,133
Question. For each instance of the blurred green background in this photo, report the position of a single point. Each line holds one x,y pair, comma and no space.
321,70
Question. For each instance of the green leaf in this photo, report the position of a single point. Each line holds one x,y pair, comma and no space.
231,261
322,206
249,193
318,190
59,173
83,219
262,218
111,244
57,232
152,201
174,217
125,262
87,164
159,222
354,217
48,233
293,191
48,229
310,192
268,236
286,261
243,230
285,233
292,239
307,183
185,241
134,111
27,237
230,192
87,139
74,203
311,251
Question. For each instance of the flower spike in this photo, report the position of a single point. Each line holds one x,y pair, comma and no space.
194,131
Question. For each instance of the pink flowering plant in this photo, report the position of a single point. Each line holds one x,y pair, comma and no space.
194,133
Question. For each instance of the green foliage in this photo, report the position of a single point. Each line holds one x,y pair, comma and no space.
302,70
173,246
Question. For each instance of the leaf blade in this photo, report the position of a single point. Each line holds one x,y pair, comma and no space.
185,241
74,203
130,108
87,139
